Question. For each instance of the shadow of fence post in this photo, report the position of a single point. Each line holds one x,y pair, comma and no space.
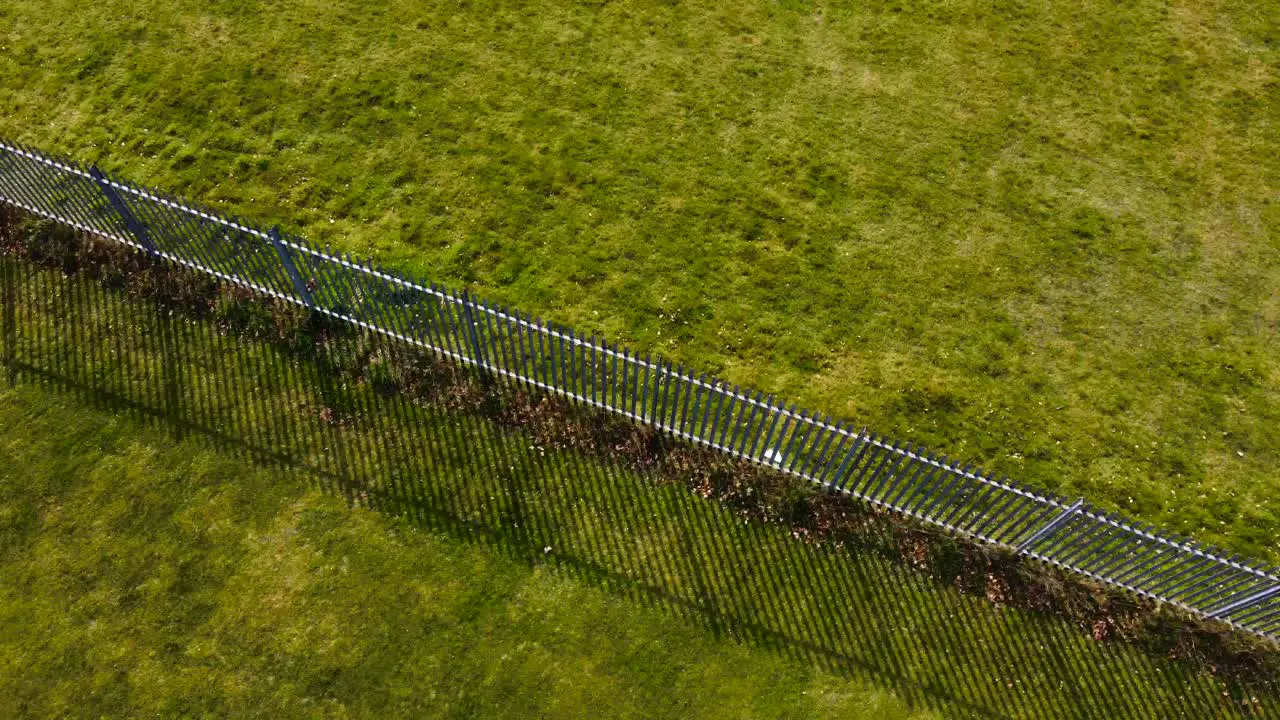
170,369
9,270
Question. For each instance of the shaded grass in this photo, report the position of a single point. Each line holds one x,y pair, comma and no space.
1036,236
481,574
151,578
345,357
143,576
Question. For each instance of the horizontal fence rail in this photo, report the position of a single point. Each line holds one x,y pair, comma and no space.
745,424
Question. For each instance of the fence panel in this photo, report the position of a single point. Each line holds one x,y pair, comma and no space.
504,344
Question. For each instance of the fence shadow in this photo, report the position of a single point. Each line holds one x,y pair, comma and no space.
849,613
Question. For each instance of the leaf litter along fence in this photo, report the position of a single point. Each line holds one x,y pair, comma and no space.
706,411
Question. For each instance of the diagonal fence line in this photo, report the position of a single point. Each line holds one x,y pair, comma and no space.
739,422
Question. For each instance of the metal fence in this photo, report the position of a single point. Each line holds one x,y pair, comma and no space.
749,425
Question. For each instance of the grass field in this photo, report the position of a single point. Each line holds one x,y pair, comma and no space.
1041,236
146,576
174,541
147,579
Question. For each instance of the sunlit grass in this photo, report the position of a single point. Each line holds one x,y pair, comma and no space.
1036,236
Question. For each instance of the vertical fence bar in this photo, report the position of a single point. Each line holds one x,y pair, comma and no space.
890,476
613,378
72,201
625,384
853,456
674,384
766,425
798,428
647,368
684,407
515,333
580,368
499,350
568,358
453,315
286,259
810,469
523,354
564,377
960,479
708,413
931,485
543,344
836,455
696,406
910,480
474,336
998,513
956,510
145,213
1035,510
730,415
24,187
509,324
577,359
857,486
600,374
406,300
533,339
659,393
126,216
590,356
738,441
767,453
440,315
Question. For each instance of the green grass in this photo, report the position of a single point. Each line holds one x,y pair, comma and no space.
147,579
175,541
1039,236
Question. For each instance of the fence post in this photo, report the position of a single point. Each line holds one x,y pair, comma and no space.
1245,603
1053,525
137,229
286,259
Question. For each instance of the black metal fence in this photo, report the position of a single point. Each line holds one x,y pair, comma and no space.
745,424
